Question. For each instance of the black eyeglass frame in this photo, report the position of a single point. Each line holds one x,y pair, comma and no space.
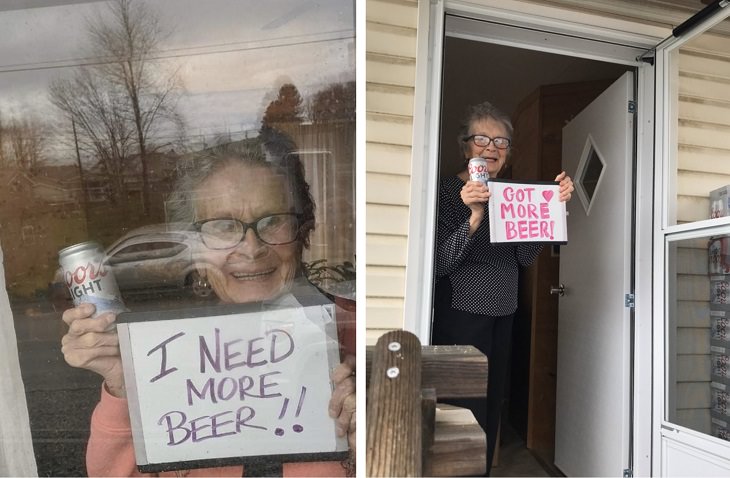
250,225
490,141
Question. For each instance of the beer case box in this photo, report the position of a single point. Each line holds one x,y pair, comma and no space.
720,292
720,427
719,255
719,327
720,202
720,364
720,399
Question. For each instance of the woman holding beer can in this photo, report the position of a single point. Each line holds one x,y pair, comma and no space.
476,288
252,207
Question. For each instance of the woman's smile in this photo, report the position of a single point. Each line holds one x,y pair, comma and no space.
251,276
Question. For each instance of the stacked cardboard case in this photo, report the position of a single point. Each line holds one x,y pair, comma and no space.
719,269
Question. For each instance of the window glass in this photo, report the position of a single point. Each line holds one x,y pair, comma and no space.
95,137
699,138
698,353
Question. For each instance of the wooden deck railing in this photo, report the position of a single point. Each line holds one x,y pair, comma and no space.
408,432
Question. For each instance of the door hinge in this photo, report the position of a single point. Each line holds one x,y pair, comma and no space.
629,301
628,472
632,106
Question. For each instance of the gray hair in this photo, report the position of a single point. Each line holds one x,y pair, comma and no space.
272,149
478,112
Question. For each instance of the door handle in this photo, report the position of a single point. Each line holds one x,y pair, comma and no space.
559,290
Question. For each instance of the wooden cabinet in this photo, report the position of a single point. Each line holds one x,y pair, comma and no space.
536,155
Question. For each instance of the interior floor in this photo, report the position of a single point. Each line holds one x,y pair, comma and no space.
516,460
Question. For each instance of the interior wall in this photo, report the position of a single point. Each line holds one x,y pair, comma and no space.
476,71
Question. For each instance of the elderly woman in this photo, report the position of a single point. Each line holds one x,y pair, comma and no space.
476,288
254,214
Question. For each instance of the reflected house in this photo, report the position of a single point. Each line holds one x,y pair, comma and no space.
327,151
110,217
41,213
48,210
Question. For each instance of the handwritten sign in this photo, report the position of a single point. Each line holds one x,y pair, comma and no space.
526,212
227,385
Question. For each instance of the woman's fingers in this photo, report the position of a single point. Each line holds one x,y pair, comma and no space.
566,186
82,311
475,192
344,370
343,401
81,326
92,344
93,359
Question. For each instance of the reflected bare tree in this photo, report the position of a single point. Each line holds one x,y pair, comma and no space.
119,104
99,113
22,144
26,138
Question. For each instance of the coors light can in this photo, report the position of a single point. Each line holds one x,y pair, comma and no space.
478,170
89,279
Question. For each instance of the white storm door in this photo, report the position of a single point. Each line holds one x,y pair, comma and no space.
593,384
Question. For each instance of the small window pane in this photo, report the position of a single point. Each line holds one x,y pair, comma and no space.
698,346
589,172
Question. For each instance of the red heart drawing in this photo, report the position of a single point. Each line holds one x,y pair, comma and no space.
548,195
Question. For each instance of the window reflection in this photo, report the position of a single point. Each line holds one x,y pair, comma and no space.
93,136
698,345
701,121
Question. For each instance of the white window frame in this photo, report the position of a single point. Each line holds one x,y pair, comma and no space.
668,437
590,42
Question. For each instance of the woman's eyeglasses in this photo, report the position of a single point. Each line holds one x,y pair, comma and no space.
275,230
483,141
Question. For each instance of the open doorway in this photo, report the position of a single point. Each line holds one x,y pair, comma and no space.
541,92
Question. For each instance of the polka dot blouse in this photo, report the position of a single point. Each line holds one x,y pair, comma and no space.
483,275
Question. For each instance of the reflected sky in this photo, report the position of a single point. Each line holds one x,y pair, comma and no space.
232,55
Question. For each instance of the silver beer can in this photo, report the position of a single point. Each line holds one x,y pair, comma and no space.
478,170
89,278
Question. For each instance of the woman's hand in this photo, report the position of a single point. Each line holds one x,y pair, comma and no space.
91,344
566,186
342,403
475,194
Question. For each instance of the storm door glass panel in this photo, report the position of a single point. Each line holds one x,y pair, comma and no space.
698,338
700,124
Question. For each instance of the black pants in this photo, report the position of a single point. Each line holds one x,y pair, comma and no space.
493,337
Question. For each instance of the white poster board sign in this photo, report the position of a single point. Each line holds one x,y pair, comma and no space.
215,386
526,212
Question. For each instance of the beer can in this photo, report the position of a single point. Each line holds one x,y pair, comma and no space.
478,170
89,279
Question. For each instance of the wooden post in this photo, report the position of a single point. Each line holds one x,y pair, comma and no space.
394,441
428,429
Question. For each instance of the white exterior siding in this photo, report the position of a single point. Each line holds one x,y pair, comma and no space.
390,74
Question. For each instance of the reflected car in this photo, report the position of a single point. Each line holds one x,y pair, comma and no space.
154,258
